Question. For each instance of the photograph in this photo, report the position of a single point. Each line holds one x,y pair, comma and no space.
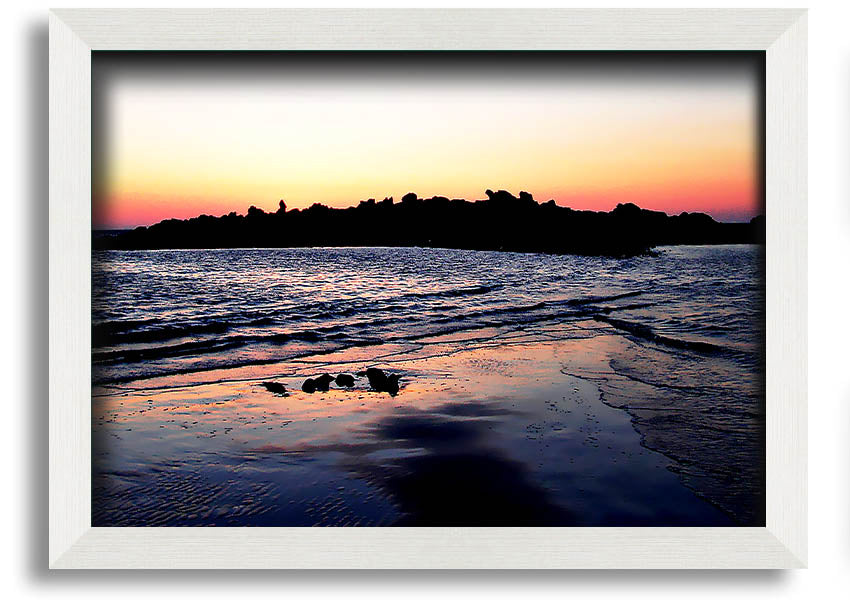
428,289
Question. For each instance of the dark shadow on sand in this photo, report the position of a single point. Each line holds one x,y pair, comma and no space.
445,473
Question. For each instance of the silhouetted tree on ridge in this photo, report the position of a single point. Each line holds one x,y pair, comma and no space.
502,221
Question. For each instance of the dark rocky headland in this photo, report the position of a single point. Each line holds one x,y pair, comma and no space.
500,222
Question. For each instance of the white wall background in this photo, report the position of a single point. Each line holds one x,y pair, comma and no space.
23,425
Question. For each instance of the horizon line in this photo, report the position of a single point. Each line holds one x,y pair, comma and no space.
301,209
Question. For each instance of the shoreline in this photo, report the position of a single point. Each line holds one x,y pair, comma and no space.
527,408
651,251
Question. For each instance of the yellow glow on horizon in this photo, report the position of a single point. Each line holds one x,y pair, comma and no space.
179,150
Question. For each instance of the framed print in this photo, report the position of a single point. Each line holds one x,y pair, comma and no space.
427,289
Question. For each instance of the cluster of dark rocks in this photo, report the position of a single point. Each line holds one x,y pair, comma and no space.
381,382
322,383
378,381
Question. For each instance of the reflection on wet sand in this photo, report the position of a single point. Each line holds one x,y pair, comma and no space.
504,429
445,471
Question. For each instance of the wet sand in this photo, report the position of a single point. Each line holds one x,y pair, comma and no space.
490,427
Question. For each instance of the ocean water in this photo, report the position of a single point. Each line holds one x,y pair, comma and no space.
164,312
671,345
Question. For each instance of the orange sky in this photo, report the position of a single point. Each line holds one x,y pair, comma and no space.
179,147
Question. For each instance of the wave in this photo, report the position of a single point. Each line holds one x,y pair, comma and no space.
157,334
452,293
108,328
168,351
102,376
598,299
646,332
414,326
111,333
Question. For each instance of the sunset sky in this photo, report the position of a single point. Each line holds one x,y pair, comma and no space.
202,134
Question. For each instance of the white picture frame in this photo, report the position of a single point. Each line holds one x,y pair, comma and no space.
75,33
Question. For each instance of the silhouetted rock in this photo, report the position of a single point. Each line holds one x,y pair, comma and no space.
275,387
345,380
501,222
323,382
375,376
380,382
392,384
308,386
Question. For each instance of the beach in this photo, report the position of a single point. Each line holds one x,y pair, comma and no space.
532,404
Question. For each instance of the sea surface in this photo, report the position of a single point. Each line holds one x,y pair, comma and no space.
660,356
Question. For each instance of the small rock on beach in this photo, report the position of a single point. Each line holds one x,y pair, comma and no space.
275,387
345,380
381,382
323,382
